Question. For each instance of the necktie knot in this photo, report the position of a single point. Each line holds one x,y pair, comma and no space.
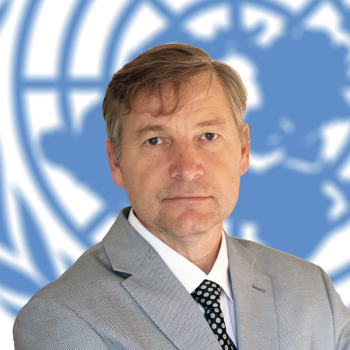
207,294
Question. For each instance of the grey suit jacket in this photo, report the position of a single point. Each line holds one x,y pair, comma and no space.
121,295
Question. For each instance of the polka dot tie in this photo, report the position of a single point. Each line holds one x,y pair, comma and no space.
208,295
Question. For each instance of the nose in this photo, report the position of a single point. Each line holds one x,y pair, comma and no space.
186,162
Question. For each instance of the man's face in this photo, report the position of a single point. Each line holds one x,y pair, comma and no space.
182,160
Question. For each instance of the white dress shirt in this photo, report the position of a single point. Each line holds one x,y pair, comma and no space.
191,276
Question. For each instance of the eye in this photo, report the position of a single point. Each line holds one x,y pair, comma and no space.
151,143
211,136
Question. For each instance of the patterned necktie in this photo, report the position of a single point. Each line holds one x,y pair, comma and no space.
208,295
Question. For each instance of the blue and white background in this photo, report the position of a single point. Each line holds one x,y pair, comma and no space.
56,58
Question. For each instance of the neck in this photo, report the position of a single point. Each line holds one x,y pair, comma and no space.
202,250
203,254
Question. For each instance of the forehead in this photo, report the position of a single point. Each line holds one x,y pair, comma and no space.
202,103
199,92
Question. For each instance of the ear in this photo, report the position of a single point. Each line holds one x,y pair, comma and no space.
245,150
114,164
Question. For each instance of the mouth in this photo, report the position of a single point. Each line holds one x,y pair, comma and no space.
189,199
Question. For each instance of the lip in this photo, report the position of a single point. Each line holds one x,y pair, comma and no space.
190,198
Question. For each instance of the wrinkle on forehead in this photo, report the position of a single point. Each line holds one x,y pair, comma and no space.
168,98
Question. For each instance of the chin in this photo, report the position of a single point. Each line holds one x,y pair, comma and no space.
189,223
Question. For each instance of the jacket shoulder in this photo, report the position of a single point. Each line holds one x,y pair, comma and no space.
61,306
90,271
272,261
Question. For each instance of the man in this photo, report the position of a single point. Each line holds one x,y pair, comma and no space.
166,275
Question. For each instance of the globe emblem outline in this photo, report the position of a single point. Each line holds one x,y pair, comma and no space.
22,84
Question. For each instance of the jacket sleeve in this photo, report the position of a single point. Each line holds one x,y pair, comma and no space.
46,324
341,316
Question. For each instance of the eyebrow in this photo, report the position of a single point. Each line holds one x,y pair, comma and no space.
146,129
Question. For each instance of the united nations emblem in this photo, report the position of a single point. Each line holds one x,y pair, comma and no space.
294,60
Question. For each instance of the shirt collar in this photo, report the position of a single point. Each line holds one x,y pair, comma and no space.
186,272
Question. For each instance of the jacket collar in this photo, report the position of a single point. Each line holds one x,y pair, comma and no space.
125,248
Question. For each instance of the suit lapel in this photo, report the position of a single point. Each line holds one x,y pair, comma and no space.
255,310
156,289
161,295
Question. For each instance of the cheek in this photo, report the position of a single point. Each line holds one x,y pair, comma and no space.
230,175
230,163
224,176
145,177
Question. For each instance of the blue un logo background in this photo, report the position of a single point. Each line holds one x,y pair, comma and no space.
57,197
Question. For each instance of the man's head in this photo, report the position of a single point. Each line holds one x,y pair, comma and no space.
177,87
